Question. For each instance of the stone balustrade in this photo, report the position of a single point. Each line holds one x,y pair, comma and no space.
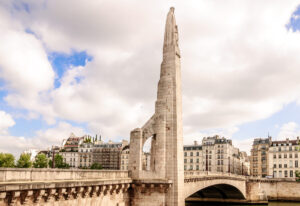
46,186
203,174
45,174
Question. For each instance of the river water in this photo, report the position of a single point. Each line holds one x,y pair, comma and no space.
220,204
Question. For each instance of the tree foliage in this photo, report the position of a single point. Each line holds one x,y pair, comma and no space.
24,161
96,166
59,162
41,161
7,160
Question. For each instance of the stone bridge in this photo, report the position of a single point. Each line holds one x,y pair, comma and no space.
209,186
115,188
204,185
63,187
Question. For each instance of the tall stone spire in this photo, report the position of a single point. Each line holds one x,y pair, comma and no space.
165,126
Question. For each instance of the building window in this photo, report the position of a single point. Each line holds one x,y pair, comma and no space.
191,153
185,160
184,167
285,155
296,163
279,156
274,175
191,167
291,173
185,154
197,167
274,156
296,155
191,160
291,155
197,153
280,174
197,160
285,173
280,166
285,165
274,166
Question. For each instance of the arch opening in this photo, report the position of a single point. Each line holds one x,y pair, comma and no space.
218,192
147,150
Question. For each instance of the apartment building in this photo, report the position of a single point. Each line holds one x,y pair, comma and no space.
85,153
193,157
69,150
108,154
216,154
284,158
125,158
259,164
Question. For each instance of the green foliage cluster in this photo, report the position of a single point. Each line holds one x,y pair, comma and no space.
59,162
7,160
41,161
298,176
96,166
24,161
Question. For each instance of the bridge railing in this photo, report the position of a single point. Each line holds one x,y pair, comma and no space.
45,174
197,173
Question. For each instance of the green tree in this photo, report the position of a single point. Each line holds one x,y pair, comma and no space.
59,162
96,166
41,161
50,163
7,160
297,176
24,161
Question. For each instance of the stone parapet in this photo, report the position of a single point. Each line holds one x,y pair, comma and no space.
196,173
46,186
46,174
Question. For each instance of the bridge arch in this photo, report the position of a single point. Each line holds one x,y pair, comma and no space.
224,188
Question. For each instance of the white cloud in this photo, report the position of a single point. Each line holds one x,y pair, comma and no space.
288,130
43,139
239,63
6,121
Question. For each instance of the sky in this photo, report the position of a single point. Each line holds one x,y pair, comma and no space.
92,67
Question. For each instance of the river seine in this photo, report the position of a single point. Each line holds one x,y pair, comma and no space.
220,204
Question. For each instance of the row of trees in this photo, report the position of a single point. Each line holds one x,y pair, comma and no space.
41,161
24,161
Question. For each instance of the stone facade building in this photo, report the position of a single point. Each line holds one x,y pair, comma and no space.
216,154
85,153
259,157
108,154
284,158
193,157
69,150
125,158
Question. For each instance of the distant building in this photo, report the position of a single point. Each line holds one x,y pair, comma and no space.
85,153
69,150
108,154
259,164
125,158
216,154
193,159
284,158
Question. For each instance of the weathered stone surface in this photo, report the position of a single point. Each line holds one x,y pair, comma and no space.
165,128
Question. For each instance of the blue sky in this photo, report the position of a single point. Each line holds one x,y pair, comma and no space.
81,71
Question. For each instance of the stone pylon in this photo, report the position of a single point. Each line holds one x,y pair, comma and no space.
165,128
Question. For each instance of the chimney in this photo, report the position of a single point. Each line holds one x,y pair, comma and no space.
195,143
